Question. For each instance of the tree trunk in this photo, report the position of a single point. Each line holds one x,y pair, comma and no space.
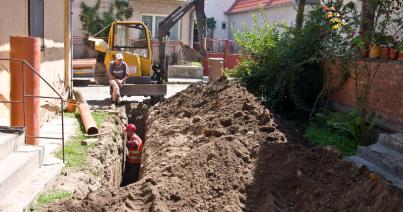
368,9
300,14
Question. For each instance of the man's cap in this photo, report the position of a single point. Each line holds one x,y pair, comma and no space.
131,127
119,56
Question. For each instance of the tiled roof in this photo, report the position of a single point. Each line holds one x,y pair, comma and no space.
248,5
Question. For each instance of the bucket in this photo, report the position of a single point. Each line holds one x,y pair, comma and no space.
71,106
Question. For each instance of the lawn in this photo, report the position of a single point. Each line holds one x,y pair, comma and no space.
75,153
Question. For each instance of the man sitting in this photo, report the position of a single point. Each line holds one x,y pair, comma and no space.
118,74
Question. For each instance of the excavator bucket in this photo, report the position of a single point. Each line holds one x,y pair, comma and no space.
100,44
191,54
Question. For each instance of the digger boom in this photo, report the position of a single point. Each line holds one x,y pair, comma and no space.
173,18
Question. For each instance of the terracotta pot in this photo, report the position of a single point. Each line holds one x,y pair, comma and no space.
393,54
71,106
400,56
385,52
375,51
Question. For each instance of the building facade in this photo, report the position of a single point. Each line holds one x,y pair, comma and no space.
152,12
216,9
47,19
240,13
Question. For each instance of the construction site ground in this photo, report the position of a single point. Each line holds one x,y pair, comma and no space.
216,147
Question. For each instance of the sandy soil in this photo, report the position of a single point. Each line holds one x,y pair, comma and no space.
216,148
105,163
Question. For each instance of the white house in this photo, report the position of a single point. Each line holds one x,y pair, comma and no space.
274,10
216,9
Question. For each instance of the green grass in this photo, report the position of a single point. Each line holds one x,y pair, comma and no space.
53,196
75,153
198,64
320,135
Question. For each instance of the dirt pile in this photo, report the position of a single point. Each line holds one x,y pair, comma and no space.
216,148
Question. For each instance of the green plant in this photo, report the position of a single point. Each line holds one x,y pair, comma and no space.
348,123
340,129
53,196
322,136
75,153
280,63
93,22
211,23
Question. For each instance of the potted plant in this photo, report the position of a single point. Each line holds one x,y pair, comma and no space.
376,49
359,43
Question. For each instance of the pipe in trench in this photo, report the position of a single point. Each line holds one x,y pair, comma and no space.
90,126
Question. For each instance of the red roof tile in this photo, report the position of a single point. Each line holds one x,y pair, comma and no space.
248,5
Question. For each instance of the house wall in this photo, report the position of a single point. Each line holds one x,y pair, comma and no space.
162,7
386,95
217,9
273,14
141,7
80,50
14,22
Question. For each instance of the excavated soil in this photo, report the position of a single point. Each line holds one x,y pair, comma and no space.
216,148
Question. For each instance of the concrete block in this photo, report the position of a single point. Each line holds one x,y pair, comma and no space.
28,190
358,161
7,144
394,141
183,71
16,167
383,157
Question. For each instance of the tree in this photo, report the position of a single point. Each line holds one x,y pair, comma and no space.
300,14
368,8
94,22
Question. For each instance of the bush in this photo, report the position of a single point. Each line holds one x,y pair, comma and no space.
281,64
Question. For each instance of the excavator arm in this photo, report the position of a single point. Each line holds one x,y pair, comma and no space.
169,22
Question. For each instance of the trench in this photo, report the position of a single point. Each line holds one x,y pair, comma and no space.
136,114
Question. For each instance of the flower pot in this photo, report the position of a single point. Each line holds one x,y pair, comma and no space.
385,52
400,56
393,54
375,51
71,106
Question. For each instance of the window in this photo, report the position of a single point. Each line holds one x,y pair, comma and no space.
36,19
223,25
127,38
148,21
153,22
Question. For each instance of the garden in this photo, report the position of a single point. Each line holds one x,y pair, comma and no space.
288,67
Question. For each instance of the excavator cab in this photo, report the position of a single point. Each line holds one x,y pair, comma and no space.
132,40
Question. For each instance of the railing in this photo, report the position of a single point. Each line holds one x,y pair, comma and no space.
24,96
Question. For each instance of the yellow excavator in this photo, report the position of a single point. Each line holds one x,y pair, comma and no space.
133,40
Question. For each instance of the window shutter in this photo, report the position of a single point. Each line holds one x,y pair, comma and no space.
36,18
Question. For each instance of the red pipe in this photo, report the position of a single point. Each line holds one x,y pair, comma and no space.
89,124
28,49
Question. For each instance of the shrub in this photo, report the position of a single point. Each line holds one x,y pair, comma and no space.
281,64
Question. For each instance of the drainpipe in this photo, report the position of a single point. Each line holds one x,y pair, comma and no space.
71,49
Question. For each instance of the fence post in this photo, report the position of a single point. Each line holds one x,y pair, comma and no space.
227,51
